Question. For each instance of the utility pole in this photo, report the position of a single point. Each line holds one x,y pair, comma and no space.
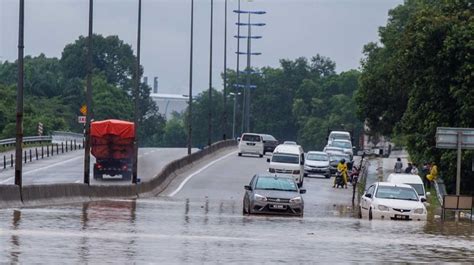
224,136
209,132
19,99
247,89
87,144
190,108
137,95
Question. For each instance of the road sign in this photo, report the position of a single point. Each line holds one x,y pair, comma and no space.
455,138
447,138
83,110
81,119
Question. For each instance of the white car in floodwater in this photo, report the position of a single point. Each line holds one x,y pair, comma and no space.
384,200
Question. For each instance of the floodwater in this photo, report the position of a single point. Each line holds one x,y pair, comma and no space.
177,231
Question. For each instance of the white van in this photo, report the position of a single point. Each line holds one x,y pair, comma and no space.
251,143
410,179
288,160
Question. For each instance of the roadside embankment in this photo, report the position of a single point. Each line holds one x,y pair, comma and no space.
35,195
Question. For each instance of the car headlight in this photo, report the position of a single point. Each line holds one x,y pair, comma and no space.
383,208
296,200
260,198
419,211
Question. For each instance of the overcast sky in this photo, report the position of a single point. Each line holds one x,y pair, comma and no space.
334,28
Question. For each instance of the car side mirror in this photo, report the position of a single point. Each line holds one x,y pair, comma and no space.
302,191
368,195
423,200
247,187
428,193
268,160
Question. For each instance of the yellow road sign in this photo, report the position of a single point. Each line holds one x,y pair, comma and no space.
83,110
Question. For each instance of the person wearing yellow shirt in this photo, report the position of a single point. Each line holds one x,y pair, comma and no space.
433,172
342,166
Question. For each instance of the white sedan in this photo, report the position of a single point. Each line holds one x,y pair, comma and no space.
384,200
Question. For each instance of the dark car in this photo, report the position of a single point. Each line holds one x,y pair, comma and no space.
270,193
269,143
334,160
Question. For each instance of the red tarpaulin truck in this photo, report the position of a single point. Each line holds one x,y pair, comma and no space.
112,143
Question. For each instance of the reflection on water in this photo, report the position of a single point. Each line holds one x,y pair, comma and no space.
188,231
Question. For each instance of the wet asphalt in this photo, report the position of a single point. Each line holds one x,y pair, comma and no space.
202,222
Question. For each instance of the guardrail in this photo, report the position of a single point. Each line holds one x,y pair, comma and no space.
43,151
55,137
27,139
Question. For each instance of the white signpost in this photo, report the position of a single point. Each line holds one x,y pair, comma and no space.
81,119
455,138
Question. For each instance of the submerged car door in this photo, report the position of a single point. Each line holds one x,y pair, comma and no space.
367,199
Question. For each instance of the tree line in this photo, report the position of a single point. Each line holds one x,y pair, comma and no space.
420,77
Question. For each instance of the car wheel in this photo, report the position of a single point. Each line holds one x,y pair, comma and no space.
260,155
360,213
305,174
370,214
240,154
328,176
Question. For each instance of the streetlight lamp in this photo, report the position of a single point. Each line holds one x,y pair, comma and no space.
233,116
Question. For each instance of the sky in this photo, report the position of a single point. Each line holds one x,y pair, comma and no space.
337,29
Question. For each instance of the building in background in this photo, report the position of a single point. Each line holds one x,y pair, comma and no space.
169,103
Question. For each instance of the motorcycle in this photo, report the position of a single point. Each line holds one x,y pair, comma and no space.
354,176
339,179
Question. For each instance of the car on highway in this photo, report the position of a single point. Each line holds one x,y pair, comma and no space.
334,160
391,201
346,146
410,179
251,143
288,160
271,193
333,150
269,143
338,135
290,142
317,163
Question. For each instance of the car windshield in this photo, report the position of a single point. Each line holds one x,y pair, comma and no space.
418,188
285,158
338,158
340,136
251,138
317,157
275,183
397,193
341,144
267,137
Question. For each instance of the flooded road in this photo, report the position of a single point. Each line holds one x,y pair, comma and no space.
207,226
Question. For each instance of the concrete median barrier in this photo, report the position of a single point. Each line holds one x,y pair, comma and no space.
35,195
9,196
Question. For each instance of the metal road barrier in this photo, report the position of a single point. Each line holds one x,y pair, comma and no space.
55,137
27,139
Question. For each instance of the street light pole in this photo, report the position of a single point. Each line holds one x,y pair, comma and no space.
238,60
224,136
209,132
233,116
137,95
247,89
87,144
190,107
19,100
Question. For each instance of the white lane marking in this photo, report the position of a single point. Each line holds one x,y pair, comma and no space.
53,165
7,180
197,172
78,181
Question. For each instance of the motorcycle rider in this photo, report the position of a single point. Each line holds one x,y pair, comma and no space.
342,167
